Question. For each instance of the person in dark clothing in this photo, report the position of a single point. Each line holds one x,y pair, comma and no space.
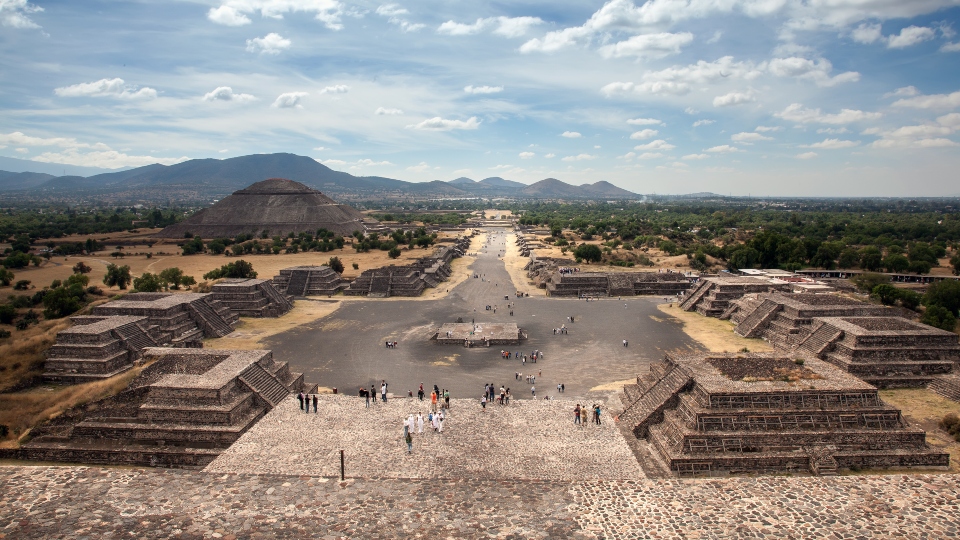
314,404
300,399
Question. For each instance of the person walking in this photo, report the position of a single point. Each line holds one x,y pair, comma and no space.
300,399
596,413
314,404
533,391
409,439
576,414
420,422
433,401
420,392
483,401
373,393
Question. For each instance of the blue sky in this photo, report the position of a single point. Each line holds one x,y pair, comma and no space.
762,97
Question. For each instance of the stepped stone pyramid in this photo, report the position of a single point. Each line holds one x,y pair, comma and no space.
182,410
713,295
275,205
309,281
98,348
183,320
252,297
748,413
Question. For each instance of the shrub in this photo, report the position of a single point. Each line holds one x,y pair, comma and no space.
81,268
394,253
867,281
149,283
63,301
335,264
21,285
117,275
7,314
588,252
951,424
939,317
356,266
6,277
237,269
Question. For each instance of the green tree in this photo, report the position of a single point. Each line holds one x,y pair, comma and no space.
237,269
63,301
955,263
175,277
217,247
910,299
117,275
17,260
335,264
6,277
194,246
669,247
149,283
946,294
867,281
588,252
888,294
77,279
848,258
939,317
81,268
7,313
394,252
896,263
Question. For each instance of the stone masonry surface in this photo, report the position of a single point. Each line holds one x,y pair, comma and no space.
525,439
90,502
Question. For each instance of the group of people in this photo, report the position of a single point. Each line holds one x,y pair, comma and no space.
564,270
580,412
490,395
371,395
304,400
415,425
561,330
391,344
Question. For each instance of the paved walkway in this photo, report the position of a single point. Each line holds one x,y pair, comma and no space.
524,440
82,502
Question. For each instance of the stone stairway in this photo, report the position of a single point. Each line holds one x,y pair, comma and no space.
134,338
210,320
690,302
648,409
947,386
753,324
274,295
380,286
820,340
298,283
264,384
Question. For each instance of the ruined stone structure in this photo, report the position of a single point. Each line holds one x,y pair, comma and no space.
183,320
276,205
479,334
746,413
252,297
539,269
579,284
182,410
713,295
408,280
98,348
888,352
309,281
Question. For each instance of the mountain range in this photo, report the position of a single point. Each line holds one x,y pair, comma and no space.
206,178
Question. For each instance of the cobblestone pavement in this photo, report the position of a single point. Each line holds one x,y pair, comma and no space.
84,502
526,439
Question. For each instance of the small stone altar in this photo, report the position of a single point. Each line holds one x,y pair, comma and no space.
480,334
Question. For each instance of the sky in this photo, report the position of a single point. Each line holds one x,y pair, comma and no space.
740,97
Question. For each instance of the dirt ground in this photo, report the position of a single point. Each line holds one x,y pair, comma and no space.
925,409
679,263
514,263
168,256
715,335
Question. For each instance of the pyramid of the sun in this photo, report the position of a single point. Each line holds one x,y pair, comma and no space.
276,205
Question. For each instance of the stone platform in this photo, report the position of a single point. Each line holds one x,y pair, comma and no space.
250,297
480,334
98,348
183,319
530,439
92,502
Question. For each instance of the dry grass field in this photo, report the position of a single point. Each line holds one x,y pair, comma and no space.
715,335
924,408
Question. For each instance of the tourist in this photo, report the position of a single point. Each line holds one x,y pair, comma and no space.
483,401
624,343
420,422
533,391
446,399
576,414
433,401
383,391
420,392
315,404
596,413
409,439
563,388
300,399
365,394
373,393
440,419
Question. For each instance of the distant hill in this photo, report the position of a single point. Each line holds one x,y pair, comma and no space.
53,169
200,179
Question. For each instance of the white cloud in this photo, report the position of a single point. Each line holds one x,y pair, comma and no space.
272,43
929,135
723,149
749,137
648,46
767,129
337,89
906,91
797,113
510,27
73,152
13,13
571,135
650,155
382,111
691,111
334,162
658,144
817,71
644,134
733,99
393,13
22,150
934,101
832,144
950,47
659,87
370,163
644,122
690,157
225,93
526,155
579,157
106,88
227,16
715,38
833,131
289,100
234,12
550,156
867,33
806,155
703,122
910,36
442,124
482,89
422,167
